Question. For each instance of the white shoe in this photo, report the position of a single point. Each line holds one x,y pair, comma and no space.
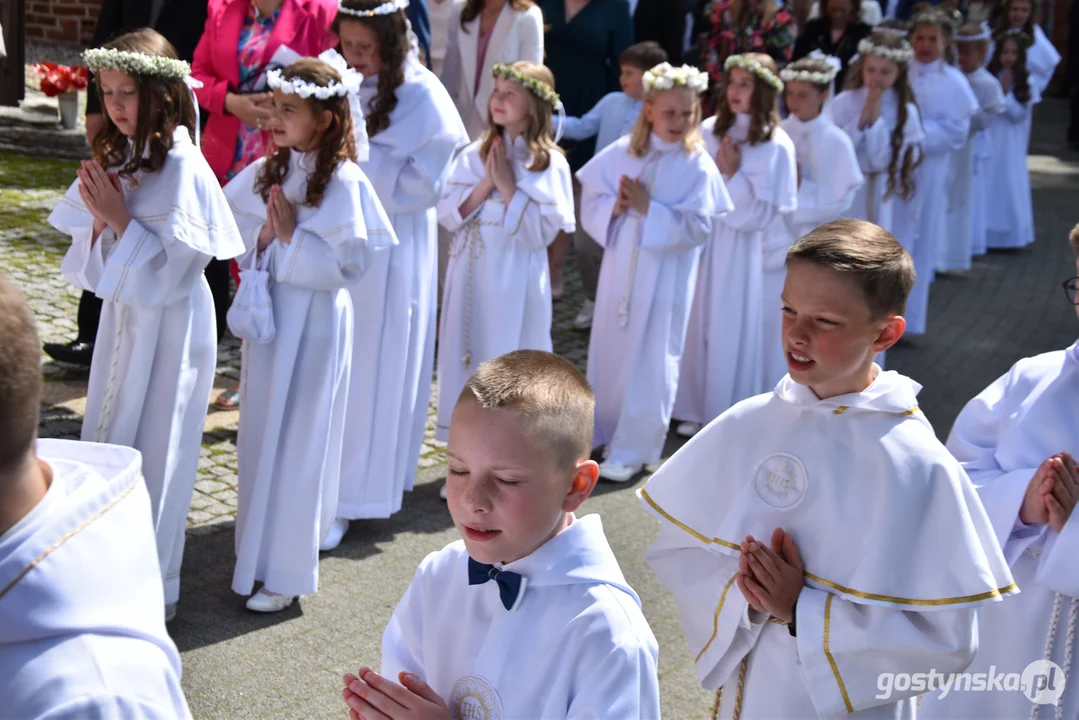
333,537
170,612
617,472
266,602
443,492
688,429
583,321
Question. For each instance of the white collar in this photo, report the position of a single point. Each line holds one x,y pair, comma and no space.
889,392
658,144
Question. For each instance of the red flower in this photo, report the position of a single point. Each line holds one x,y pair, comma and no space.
57,79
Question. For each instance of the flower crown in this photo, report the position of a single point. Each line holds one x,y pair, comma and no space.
135,63
893,31
538,88
350,80
1024,40
934,16
665,77
789,74
387,8
749,65
901,54
983,34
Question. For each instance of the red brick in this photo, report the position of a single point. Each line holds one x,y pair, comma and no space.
34,32
69,10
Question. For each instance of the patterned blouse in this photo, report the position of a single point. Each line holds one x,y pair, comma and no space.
774,38
251,142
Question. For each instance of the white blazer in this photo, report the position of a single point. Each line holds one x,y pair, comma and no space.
517,36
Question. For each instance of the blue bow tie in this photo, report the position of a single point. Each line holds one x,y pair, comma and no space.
511,585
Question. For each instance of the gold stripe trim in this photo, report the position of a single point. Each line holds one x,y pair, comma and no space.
828,653
715,618
911,411
1000,592
55,546
840,410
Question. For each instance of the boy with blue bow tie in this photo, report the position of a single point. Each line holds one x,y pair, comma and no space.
558,633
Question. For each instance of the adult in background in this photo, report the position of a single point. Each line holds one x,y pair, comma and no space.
483,33
836,32
584,41
238,46
181,22
736,27
660,22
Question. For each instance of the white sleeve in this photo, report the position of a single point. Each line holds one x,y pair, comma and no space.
715,614
402,640
1015,111
84,263
587,125
944,134
1057,569
415,183
624,684
144,271
846,650
109,707
674,229
529,227
309,261
596,210
750,214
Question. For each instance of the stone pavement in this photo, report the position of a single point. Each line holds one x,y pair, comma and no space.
241,665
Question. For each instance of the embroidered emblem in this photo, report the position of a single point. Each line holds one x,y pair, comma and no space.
473,698
781,481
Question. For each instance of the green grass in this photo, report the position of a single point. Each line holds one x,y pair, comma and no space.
19,172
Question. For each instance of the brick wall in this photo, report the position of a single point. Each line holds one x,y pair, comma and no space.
70,22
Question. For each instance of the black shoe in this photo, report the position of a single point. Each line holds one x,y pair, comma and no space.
76,353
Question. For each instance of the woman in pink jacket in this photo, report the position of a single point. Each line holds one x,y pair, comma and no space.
237,48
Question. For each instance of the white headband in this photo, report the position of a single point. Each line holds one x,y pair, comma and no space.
789,74
387,8
350,80
901,54
985,34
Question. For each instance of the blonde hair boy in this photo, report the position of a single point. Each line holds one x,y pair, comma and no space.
558,632
821,532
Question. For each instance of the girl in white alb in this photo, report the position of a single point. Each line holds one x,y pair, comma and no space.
145,217
1010,214
1042,58
413,131
311,221
973,42
828,180
947,105
508,196
722,363
650,199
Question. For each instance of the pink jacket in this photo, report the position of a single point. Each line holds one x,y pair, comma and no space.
303,25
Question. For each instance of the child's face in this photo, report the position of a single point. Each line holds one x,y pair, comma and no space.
971,56
804,100
670,112
1009,53
739,90
510,105
632,81
506,494
121,98
1019,12
879,73
359,46
295,123
928,43
829,336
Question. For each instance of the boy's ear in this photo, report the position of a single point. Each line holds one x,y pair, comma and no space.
584,482
889,331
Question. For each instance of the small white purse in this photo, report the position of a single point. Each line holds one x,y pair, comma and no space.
251,315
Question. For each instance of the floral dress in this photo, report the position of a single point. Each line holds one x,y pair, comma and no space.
774,37
251,142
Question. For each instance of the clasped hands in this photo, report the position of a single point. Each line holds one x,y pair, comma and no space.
499,172
103,196
1052,493
771,577
280,219
370,696
631,194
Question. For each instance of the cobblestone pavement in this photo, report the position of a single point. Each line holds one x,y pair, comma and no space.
239,665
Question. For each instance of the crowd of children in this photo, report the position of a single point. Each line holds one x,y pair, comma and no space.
731,300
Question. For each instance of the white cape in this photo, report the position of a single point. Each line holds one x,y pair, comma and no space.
82,628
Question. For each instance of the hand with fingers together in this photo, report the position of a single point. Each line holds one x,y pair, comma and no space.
281,213
372,697
103,195
1064,493
772,578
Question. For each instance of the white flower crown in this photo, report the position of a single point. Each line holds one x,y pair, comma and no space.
386,8
984,34
350,80
894,32
788,74
135,63
741,61
665,77
540,89
901,54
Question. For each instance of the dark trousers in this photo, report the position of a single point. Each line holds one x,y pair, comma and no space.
217,275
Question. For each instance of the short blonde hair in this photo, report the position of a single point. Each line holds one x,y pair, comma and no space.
869,254
547,392
1073,238
20,377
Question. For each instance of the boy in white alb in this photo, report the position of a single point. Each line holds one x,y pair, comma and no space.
81,629
1018,440
529,615
873,548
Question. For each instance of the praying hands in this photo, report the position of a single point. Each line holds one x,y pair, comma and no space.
771,578
372,697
